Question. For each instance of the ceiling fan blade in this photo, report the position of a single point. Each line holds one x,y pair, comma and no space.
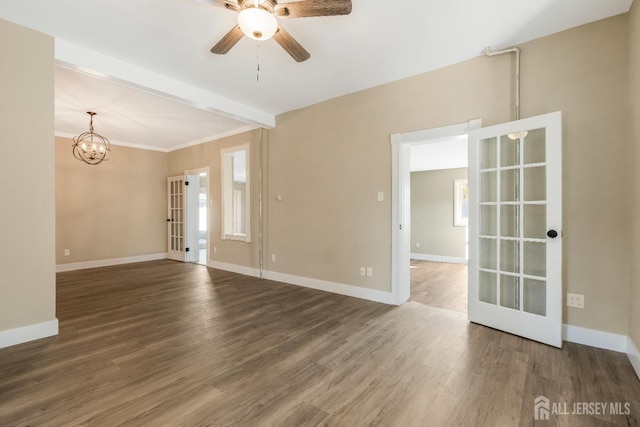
290,44
228,41
308,8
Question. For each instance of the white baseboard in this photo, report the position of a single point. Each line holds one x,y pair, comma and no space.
634,356
234,268
438,258
108,262
595,338
28,333
306,282
336,288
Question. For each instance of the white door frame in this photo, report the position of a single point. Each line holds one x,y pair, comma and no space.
401,195
198,171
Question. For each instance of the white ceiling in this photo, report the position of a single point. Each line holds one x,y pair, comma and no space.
157,122
163,46
444,154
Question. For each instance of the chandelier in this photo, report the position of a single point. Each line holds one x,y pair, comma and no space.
90,147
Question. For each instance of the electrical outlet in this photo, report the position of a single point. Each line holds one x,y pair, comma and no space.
575,300
273,257
418,245
215,250
67,252
381,196
363,271
369,272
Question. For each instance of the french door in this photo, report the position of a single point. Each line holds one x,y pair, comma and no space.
176,230
515,228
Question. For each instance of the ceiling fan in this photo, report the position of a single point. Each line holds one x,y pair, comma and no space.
257,19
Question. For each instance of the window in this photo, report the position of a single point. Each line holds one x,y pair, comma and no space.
235,193
461,203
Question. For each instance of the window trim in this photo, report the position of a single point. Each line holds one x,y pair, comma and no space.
225,203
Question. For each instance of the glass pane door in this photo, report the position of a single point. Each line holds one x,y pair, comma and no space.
515,228
176,219
512,218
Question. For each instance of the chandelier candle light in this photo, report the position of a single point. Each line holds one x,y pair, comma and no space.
91,147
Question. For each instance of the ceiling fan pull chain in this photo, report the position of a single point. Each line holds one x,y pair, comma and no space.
258,61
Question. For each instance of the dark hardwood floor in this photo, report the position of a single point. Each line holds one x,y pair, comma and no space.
167,344
439,284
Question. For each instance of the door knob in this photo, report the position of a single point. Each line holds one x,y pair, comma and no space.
552,233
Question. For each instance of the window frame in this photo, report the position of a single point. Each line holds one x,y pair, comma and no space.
458,197
227,194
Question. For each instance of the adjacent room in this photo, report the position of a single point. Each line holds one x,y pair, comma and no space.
439,222
273,213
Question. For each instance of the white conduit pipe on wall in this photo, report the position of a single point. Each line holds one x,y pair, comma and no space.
487,51
260,243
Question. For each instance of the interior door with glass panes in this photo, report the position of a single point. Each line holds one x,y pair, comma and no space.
176,218
515,228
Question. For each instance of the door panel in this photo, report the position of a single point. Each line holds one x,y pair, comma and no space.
176,218
515,268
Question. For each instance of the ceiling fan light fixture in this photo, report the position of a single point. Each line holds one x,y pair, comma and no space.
516,135
257,23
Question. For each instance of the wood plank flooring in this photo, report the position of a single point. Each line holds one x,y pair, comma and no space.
439,284
170,344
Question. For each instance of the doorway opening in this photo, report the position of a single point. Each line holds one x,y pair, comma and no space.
197,218
439,206
402,244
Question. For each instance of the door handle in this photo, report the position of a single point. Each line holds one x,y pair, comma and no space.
552,233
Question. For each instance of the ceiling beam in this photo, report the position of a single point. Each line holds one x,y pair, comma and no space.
110,68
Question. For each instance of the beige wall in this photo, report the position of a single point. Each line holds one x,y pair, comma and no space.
27,265
586,77
634,104
112,210
329,160
208,155
432,212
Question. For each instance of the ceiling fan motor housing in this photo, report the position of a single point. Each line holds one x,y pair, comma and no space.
268,5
